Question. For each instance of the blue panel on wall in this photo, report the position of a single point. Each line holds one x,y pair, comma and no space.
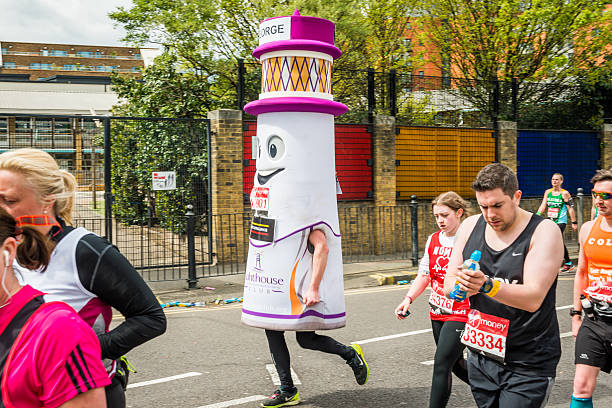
542,153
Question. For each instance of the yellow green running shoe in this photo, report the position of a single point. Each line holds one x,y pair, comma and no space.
282,399
359,365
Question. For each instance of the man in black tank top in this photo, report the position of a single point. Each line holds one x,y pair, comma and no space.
512,332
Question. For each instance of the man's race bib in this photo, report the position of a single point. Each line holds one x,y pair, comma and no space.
552,213
441,304
486,334
260,198
600,291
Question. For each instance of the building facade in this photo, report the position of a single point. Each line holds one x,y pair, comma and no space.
43,60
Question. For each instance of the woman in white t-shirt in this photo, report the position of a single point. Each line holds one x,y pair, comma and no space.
448,317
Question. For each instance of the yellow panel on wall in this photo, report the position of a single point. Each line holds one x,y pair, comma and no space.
435,160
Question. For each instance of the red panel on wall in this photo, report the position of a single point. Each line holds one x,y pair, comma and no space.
249,130
353,153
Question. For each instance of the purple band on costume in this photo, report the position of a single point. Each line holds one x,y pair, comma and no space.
295,232
307,33
304,45
295,104
305,314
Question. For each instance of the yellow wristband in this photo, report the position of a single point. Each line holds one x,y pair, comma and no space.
495,288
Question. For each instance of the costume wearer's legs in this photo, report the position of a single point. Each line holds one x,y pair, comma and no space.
281,358
494,385
449,356
313,341
566,258
115,396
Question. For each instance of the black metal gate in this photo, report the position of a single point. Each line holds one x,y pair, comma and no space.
143,183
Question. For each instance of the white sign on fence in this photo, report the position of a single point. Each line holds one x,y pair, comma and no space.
164,180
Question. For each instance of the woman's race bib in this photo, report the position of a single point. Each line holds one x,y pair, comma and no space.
441,304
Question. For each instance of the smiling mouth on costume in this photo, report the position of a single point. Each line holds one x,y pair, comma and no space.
264,178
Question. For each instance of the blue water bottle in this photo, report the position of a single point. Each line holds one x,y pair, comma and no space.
472,264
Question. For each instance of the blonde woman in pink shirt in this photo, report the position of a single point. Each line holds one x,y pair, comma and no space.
49,357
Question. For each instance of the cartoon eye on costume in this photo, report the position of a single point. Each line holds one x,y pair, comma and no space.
276,147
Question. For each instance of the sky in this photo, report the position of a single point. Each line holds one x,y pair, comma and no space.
61,21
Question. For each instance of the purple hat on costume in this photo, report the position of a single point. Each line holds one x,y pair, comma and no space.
296,53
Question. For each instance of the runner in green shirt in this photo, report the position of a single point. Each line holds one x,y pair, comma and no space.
556,205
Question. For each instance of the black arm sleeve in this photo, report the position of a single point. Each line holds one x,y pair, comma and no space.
110,276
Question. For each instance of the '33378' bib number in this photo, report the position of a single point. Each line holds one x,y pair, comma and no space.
486,334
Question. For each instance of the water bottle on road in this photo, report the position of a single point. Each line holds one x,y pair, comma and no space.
473,264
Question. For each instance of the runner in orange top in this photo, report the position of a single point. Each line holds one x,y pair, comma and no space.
593,282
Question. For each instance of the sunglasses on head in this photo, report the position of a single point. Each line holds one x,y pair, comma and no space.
601,194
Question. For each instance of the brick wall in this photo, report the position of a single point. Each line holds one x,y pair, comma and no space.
226,174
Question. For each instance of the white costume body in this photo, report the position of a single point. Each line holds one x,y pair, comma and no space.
298,177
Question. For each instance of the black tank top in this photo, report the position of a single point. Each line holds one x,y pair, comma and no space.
533,345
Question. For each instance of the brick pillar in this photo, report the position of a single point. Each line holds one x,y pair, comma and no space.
226,174
507,137
384,160
384,182
606,146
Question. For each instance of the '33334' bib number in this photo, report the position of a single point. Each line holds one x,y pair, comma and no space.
486,334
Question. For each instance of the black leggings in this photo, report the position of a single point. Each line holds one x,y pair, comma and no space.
566,258
115,396
306,339
449,357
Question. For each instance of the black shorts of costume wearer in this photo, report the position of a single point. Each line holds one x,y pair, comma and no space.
494,385
115,396
306,339
593,344
449,357
566,258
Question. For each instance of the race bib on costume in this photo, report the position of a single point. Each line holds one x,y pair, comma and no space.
486,334
259,198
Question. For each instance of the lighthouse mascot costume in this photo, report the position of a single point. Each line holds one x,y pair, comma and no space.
295,184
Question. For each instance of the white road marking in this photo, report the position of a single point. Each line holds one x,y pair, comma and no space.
235,402
275,378
393,336
430,362
564,307
163,380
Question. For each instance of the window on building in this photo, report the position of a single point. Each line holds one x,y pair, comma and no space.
3,51
46,66
23,132
101,68
70,67
4,132
35,65
135,69
84,54
98,54
136,56
9,64
421,74
58,53
62,132
43,131
44,53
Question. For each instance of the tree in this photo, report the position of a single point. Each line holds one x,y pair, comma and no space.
498,41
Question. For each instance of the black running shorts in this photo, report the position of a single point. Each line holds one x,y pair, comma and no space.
495,385
593,344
